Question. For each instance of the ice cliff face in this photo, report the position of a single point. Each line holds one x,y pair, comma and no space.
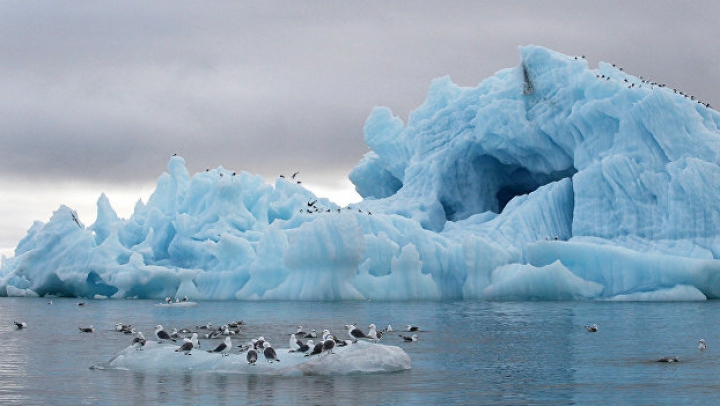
464,201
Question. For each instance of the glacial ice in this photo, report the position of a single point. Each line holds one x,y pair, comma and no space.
548,181
359,358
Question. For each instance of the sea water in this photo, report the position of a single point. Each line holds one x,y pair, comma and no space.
471,353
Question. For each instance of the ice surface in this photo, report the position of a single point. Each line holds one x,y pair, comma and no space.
548,181
359,358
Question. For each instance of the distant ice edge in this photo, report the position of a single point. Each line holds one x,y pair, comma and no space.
547,181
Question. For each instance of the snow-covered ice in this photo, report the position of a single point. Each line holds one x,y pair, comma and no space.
359,358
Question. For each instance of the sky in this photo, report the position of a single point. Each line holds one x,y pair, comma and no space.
95,96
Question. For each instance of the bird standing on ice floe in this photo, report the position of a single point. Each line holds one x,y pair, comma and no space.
354,332
702,346
328,345
223,348
162,334
316,349
252,357
592,329
186,346
269,353
374,334
294,343
409,339
304,348
139,341
20,325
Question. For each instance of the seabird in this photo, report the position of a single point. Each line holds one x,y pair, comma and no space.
269,353
122,327
669,359
411,328
413,338
89,329
194,339
139,341
20,325
252,357
312,334
373,333
354,332
259,343
592,329
294,343
295,174
81,304
186,347
304,348
388,328
702,346
329,344
162,334
223,348
175,334
317,349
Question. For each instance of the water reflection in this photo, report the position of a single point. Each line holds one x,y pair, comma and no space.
468,353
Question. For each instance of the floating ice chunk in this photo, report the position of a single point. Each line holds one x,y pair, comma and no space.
359,358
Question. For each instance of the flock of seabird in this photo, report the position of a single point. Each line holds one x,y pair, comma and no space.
318,344
631,83
702,345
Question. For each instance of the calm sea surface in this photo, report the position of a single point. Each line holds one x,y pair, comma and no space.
469,353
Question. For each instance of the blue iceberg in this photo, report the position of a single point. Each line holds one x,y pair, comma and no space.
548,181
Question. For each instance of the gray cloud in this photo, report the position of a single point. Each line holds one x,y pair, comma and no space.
106,91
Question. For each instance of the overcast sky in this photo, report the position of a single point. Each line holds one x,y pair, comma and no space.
95,96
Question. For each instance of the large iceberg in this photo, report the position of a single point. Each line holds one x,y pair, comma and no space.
548,181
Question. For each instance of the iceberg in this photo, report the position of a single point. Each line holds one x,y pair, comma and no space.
550,180
355,359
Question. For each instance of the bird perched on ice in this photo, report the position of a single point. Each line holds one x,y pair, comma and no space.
407,339
294,343
592,329
223,348
304,348
702,346
328,345
139,341
354,332
316,349
186,346
269,353
162,334
374,334
252,356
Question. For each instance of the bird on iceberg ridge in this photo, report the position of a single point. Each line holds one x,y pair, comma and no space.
328,345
